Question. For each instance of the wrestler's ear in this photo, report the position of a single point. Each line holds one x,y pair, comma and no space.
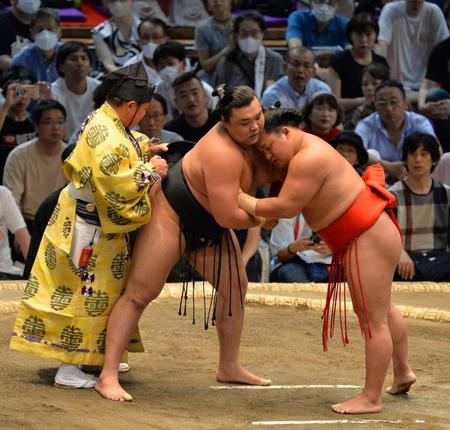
224,122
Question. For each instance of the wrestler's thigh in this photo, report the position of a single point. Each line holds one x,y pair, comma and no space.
156,251
376,257
206,262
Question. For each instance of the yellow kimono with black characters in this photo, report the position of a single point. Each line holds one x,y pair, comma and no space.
60,315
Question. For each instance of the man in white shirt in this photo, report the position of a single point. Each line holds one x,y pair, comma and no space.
409,29
74,89
11,219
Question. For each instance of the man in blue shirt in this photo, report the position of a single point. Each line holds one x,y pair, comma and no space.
318,26
293,89
385,130
39,57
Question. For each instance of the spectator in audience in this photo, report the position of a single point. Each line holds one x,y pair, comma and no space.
409,29
214,38
345,8
318,26
152,32
41,219
74,89
386,129
250,63
16,126
187,13
346,68
434,94
423,209
116,39
372,76
39,57
98,97
149,9
170,61
33,169
154,119
15,25
351,147
191,98
298,255
294,89
372,7
442,171
321,116
11,220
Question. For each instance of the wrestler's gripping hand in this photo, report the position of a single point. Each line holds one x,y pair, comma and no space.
160,165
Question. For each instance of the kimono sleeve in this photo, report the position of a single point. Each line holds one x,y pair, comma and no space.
121,188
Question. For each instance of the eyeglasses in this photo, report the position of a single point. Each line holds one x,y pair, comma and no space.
297,65
383,104
51,123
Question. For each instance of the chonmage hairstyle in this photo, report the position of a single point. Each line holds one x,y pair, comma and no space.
230,98
277,118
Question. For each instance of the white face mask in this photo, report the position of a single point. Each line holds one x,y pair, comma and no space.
249,45
323,12
169,73
119,9
46,40
149,49
29,6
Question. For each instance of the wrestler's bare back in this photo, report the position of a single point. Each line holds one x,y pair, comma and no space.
217,157
319,182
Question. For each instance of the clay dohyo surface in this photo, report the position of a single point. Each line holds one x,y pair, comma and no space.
172,381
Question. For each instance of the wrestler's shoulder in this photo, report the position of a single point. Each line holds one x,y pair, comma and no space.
217,142
312,154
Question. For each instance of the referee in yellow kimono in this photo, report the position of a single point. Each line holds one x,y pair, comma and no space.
84,256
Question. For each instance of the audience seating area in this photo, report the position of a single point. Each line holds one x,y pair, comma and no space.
185,35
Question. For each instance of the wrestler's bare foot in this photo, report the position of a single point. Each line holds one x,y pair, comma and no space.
241,376
112,391
401,385
359,405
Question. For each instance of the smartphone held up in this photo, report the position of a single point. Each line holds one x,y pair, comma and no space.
31,91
